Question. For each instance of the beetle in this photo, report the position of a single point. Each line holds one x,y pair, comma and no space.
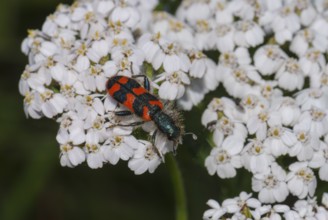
147,106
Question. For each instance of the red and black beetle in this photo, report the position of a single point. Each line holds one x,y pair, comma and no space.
141,102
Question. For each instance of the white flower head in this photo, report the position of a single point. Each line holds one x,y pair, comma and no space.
279,140
224,160
70,60
314,120
285,24
268,59
255,157
174,85
312,62
144,159
248,34
216,211
301,180
290,75
271,184
224,37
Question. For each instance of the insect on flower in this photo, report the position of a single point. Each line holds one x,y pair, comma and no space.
147,106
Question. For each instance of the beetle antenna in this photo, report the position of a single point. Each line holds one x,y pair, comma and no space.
193,135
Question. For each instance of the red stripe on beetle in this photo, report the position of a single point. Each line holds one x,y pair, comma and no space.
139,91
123,80
116,87
145,114
129,101
156,102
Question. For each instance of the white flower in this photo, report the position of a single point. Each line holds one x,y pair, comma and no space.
225,159
306,208
320,23
125,14
180,33
231,59
104,7
301,180
227,127
224,37
71,129
307,12
193,95
268,59
95,158
52,103
238,203
269,89
312,97
32,105
205,38
96,128
131,54
314,120
160,52
257,123
248,34
313,62
255,157
238,81
215,107
279,140
285,24
93,78
216,211
270,213
291,215
289,111
320,80
290,75
89,107
320,160
98,50
119,147
198,64
305,146
71,156
251,105
244,9
223,12
34,77
271,184
194,11
145,158
306,38
174,85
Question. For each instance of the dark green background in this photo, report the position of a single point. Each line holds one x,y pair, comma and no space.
33,185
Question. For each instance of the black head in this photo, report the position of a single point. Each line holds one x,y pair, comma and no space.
167,126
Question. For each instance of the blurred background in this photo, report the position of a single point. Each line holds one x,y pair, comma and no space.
33,185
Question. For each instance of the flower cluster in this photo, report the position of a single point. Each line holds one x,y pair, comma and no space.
246,207
70,59
272,64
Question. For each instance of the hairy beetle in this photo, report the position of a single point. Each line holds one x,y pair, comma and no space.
141,102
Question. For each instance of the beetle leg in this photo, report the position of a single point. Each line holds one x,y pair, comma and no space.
123,113
137,123
146,81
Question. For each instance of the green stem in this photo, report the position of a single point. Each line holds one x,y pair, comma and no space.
179,191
